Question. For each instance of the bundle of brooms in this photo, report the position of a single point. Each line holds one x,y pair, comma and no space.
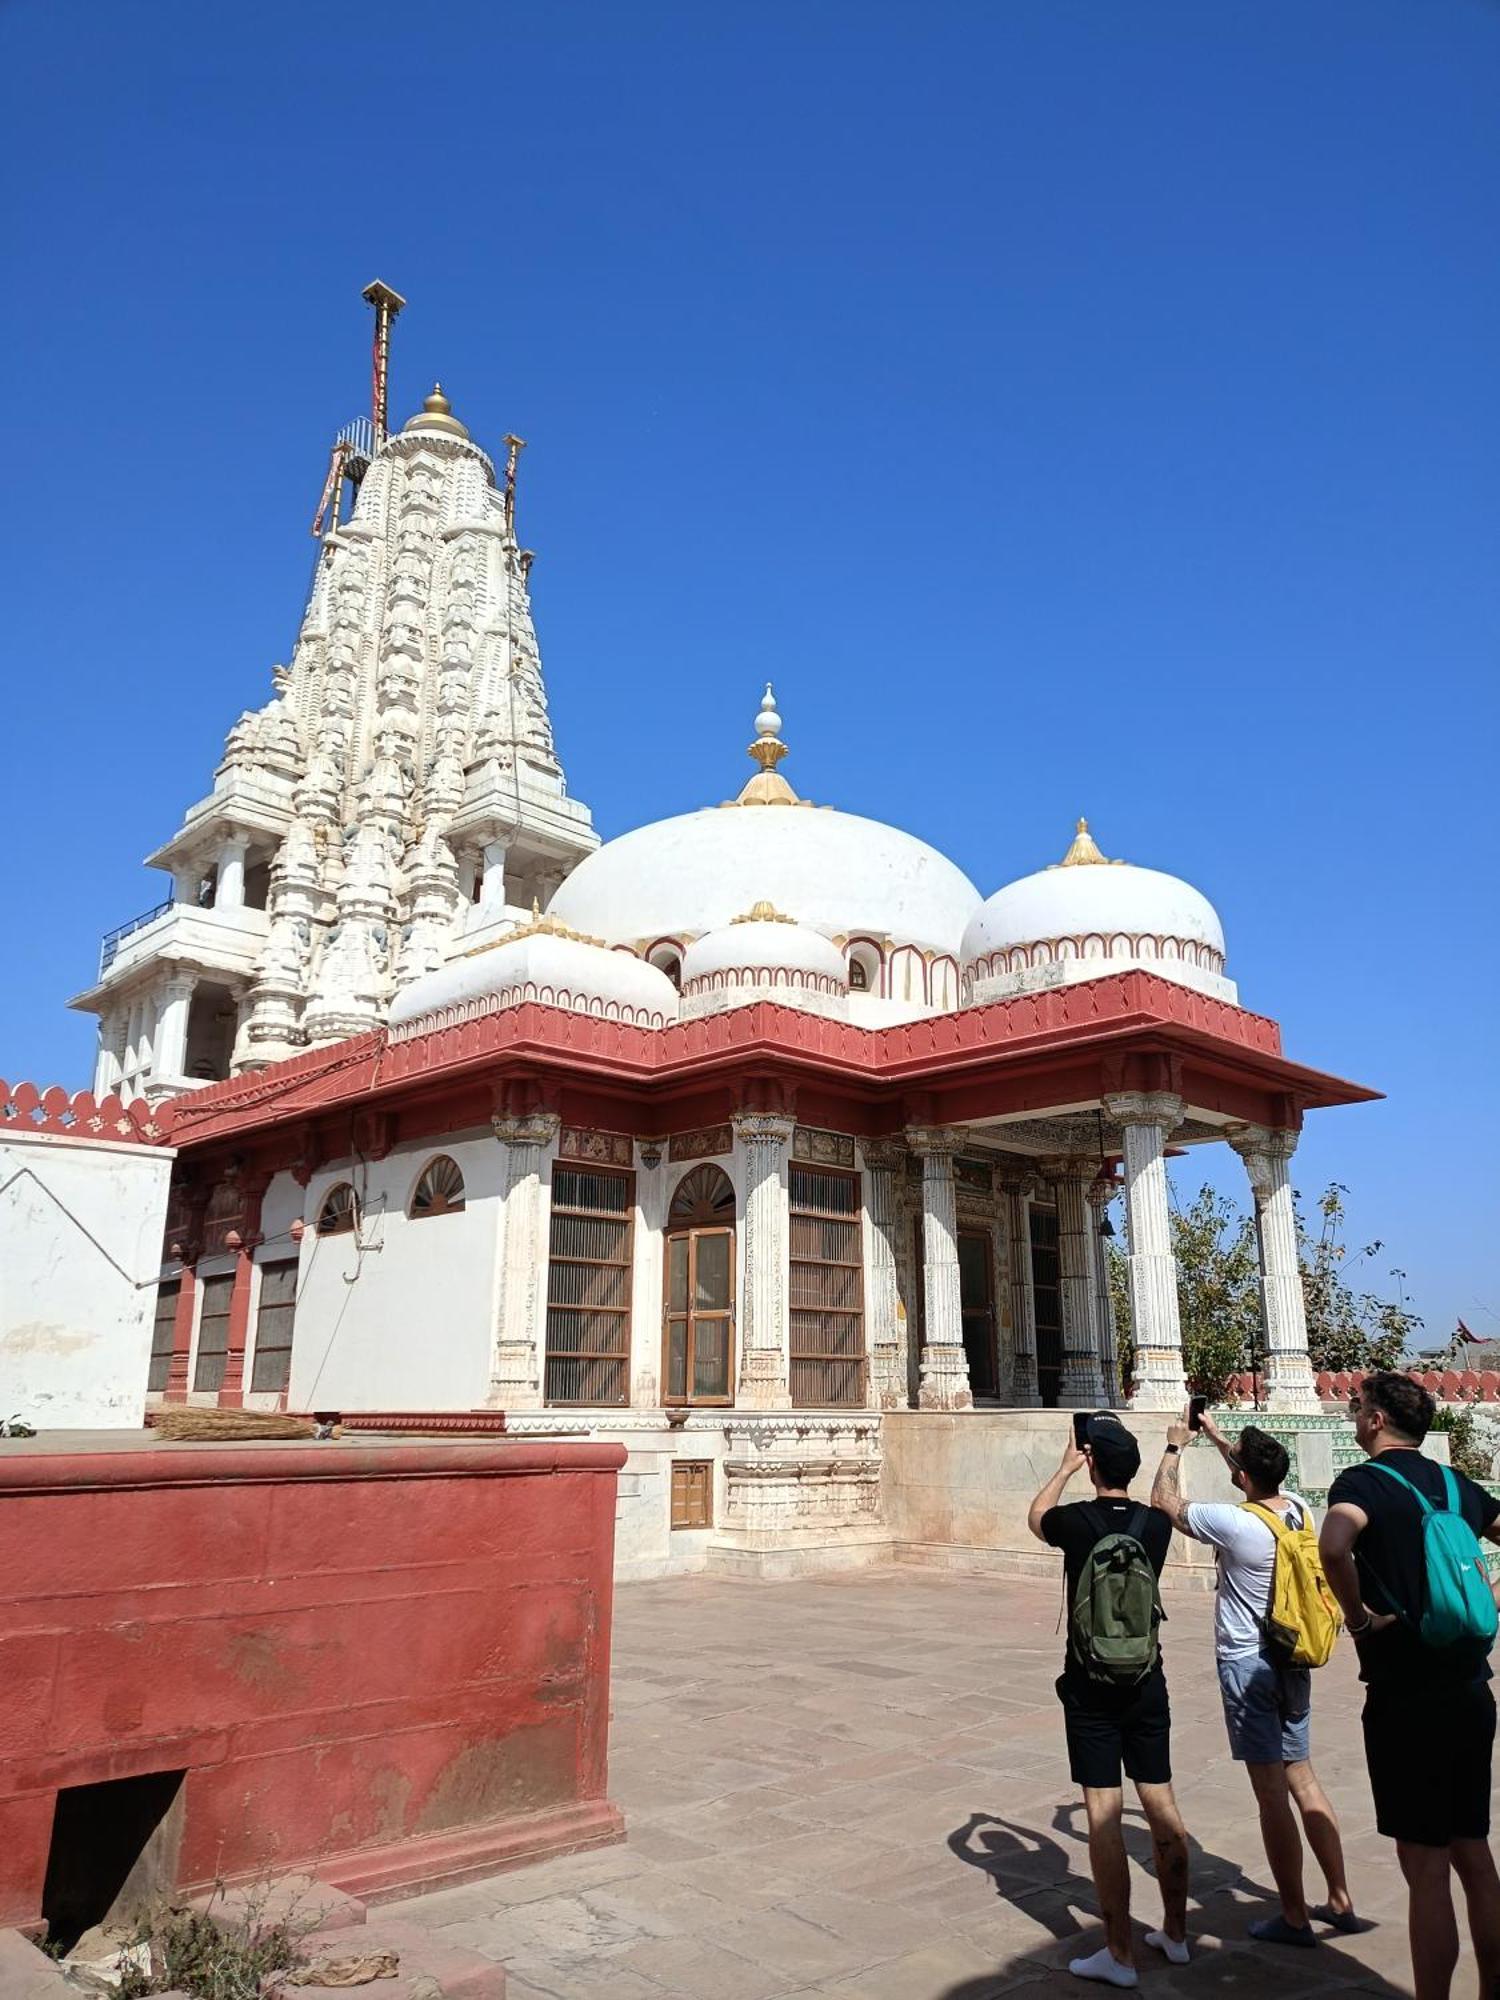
181,1422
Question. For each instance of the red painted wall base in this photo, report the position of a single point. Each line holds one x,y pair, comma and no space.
382,1663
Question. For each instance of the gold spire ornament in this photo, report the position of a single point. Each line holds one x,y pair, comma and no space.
763,913
1084,852
767,787
436,414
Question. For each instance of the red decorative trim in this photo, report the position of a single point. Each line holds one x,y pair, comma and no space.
80,1115
182,1337
1447,1385
445,1423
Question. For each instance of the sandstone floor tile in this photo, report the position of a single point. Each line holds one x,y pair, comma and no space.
799,1950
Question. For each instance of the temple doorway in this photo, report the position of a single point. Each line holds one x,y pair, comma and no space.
698,1365
976,1291
1046,1288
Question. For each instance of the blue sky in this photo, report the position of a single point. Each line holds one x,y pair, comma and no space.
1073,406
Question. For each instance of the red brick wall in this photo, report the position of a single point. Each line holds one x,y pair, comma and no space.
388,1663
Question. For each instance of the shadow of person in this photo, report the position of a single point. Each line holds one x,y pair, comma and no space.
1210,1876
1024,1864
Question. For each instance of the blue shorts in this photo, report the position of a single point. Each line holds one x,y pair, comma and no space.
1267,1710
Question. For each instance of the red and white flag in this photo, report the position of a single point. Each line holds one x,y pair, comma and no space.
1469,1339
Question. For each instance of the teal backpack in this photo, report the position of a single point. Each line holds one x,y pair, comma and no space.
1460,1604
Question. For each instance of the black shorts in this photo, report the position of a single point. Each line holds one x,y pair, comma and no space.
1108,1727
1429,1761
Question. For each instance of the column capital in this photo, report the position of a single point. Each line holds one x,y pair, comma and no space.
1068,1167
1272,1142
774,1128
1102,1191
1021,1183
1161,1108
531,1128
235,836
886,1156
935,1141
180,986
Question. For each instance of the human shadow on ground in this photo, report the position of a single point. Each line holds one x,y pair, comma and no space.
1035,1874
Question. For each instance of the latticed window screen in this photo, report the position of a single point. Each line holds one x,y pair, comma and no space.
162,1330
440,1191
273,1325
588,1287
213,1333
827,1291
1046,1291
339,1212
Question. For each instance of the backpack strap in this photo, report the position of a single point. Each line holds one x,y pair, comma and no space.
1269,1515
1450,1489
1401,1480
1136,1526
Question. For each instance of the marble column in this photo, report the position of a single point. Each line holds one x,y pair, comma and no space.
520,1320
229,890
1021,1391
765,1342
253,1192
1102,1192
944,1383
885,1162
1080,1386
170,1058
1266,1151
109,1067
1147,1117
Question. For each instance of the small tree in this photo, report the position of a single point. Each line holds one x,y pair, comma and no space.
1218,1289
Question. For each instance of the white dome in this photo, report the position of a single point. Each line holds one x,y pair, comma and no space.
540,962
833,871
765,944
1088,917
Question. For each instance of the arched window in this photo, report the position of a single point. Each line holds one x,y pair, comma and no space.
864,969
339,1213
439,1189
667,957
698,1364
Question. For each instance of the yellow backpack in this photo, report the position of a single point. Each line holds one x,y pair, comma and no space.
1304,1621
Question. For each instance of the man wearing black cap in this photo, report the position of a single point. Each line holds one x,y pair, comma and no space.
1124,1724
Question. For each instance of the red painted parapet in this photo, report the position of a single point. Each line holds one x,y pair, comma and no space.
1448,1385
386,1664
79,1115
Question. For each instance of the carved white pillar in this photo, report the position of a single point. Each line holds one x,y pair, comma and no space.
651,1183
110,1065
520,1319
1021,1390
944,1366
1147,1118
1101,1193
764,1325
169,1058
1080,1387
229,891
1289,1378
885,1162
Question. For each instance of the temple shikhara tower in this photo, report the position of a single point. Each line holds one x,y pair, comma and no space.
398,797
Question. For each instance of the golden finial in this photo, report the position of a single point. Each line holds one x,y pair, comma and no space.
1085,849
436,414
536,926
763,913
768,787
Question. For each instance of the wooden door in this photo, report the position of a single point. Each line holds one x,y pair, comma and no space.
698,1347
976,1291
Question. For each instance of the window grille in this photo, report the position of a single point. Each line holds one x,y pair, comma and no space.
340,1211
213,1333
588,1287
272,1368
827,1290
692,1493
163,1330
440,1189
1046,1292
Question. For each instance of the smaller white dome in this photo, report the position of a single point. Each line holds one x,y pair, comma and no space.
543,962
1088,917
764,943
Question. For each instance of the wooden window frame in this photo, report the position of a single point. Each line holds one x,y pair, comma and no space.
292,1264
986,1314
206,1290
169,1287
626,1263
440,1203
692,1500
695,1230
854,1219
345,1224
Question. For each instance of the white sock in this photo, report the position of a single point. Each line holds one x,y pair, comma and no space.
1105,1967
1159,1941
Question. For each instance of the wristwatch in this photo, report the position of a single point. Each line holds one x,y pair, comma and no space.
1173,1449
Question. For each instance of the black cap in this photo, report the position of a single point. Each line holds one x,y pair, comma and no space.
1116,1452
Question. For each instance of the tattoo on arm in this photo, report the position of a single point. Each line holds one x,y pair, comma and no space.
1166,1490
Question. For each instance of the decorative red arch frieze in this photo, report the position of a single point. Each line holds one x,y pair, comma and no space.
80,1115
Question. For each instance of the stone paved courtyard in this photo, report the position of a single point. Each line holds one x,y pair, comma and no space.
856,1787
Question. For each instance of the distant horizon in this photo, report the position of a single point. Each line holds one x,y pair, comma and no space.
1071,413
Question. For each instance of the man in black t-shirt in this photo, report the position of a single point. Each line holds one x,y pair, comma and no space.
1113,1726
1429,1719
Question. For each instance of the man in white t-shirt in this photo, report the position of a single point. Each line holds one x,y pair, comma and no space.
1266,1705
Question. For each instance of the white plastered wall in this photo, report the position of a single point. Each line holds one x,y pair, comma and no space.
400,1314
80,1248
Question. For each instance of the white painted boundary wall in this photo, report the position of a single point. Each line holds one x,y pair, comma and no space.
81,1227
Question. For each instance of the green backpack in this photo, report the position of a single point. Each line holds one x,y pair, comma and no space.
1116,1605
1460,1604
